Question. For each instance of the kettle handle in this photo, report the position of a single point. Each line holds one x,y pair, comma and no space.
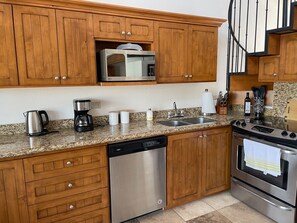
46,121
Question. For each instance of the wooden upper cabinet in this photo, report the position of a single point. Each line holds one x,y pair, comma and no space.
184,168
268,69
13,207
203,46
36,45
121,28
217,157
171,52
76,47
8,67
288,65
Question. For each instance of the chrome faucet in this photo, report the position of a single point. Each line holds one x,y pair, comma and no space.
175,113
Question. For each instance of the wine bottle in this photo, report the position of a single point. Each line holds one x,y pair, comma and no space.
247,105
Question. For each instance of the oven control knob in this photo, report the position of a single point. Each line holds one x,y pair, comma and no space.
243,124
237,123
284,133
292,135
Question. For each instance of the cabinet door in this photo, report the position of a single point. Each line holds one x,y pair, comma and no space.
171,49
76,48
203,45
36,45
139,30
268,69
184,168
217,157
8,67
13,207
288,65
109,27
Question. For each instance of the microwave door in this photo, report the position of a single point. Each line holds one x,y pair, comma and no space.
116,67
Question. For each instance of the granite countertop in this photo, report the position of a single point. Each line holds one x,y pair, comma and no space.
19,145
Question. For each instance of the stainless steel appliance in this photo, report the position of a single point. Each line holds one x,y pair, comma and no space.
82,120
127,65
35,122
137,177
274,196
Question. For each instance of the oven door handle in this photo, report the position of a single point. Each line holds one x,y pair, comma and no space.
283,149
262,198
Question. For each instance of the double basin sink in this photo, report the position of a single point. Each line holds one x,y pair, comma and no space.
186,121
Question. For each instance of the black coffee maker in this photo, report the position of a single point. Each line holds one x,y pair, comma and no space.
82,121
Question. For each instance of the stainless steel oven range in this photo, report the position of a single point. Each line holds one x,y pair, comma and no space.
258,146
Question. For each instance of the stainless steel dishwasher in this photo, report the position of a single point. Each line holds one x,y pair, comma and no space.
137,177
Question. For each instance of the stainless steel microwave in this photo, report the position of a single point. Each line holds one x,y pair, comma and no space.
127,65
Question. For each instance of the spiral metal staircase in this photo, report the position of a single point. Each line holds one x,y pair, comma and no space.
251,23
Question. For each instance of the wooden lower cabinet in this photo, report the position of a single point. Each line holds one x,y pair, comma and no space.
68,186
269,69
13,207
217,149
198,164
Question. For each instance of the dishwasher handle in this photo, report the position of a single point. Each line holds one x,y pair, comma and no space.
134,146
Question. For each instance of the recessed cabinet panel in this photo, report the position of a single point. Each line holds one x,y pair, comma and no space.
288,58
36,43
171,40
76,48
13,207
203,53
139,30
109,27
268,69
8,67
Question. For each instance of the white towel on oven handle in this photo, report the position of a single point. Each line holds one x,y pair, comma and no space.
262,157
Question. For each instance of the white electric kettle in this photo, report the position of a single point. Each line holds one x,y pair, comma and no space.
35,124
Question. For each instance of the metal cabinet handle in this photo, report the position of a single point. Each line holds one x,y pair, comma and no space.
201,136
57,78
190,76
64,77
68,163
123,33
70,185
205,136
71,206
274,74
186,76
129,33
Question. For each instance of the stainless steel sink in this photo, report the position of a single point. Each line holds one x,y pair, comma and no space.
186,121
173,123
198,120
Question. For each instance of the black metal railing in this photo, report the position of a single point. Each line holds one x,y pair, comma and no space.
248,22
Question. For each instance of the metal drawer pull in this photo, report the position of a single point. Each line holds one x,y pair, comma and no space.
129,33
68,163
64,77
123,32
190,76
274,74
70,185
201,136
56,78
205,136
186,76
262,198
71,206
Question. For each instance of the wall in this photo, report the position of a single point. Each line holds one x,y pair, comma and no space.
58,100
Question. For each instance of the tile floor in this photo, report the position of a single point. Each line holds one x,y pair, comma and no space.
219,208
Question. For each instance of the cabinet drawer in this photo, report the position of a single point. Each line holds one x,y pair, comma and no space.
59,164
68,185
100,216
69,207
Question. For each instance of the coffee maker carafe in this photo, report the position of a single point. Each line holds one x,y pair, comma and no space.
82,121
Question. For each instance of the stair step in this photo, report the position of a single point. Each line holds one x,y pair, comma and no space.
257,54
284,30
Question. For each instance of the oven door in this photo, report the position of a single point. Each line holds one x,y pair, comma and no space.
283,187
